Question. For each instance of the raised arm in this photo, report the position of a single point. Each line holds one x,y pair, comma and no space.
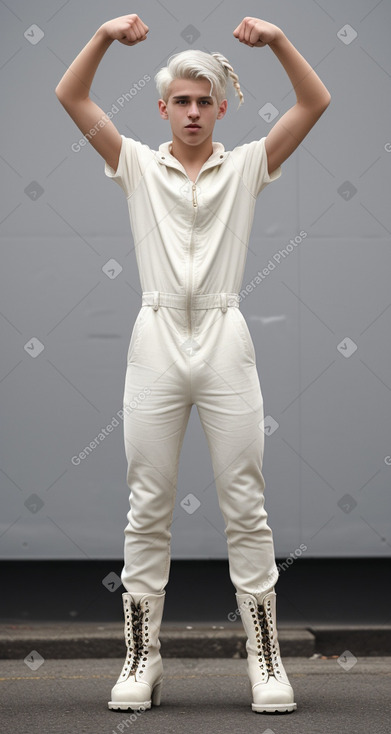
74,87
311,94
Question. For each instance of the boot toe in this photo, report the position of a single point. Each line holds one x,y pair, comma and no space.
130,694
273,696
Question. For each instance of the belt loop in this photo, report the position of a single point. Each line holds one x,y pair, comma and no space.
156,300
233,300
223,300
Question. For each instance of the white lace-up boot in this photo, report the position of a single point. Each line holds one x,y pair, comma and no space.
140,682
270,687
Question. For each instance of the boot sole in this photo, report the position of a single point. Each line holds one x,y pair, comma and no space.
128,706
274,708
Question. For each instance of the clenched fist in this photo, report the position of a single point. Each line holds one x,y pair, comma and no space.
256,32
127,29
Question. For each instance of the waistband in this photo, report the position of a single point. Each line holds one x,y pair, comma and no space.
198,301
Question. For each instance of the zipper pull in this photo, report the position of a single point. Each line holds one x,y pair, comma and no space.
194,187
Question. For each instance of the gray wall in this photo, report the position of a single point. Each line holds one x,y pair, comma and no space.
320,320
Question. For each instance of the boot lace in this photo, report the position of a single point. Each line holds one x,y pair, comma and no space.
264,636
136,633
137,628
265,641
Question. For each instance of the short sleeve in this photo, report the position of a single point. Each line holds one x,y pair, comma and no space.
250,160
133,159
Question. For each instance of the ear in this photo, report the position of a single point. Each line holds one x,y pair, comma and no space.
163,109
222,109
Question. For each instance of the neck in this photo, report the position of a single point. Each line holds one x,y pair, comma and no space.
191,154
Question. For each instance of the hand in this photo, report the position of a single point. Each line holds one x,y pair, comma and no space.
256,32
127,29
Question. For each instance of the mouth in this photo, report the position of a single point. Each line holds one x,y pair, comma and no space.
193,126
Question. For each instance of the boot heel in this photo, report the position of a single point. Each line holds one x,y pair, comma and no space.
157,694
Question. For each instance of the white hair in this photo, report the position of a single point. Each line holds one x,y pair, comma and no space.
195,64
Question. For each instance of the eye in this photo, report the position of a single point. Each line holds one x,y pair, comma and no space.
184,101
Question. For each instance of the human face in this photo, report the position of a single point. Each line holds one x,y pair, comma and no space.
191,110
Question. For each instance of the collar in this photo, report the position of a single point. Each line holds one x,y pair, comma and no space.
165,157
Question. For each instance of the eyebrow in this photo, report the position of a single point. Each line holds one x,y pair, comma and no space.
186,96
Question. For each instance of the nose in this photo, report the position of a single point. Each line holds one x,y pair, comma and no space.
193,110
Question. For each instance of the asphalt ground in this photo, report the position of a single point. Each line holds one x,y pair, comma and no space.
199,695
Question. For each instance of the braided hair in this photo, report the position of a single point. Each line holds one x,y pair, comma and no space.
230,73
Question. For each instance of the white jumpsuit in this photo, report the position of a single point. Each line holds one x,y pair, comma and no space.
190,344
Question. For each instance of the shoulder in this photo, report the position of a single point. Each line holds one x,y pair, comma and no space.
131,144
254,147
251,163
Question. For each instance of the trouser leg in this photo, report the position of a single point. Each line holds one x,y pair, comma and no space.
230,405
153,435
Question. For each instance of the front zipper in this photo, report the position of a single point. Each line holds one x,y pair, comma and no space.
190,279
194,188
205,167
